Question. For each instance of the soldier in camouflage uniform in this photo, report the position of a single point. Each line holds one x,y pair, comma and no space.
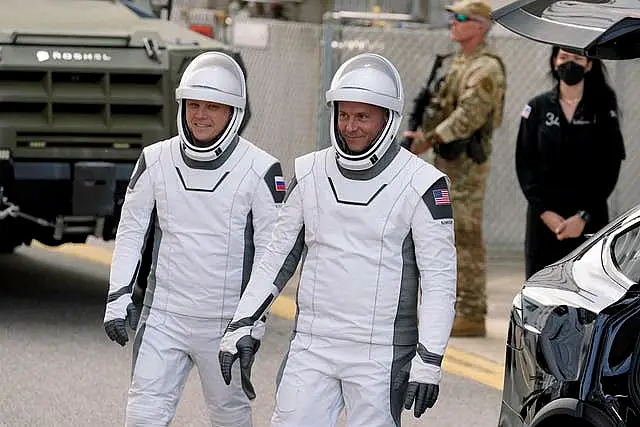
458,125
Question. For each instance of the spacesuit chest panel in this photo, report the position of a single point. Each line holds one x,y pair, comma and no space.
361,213
355,231
200,202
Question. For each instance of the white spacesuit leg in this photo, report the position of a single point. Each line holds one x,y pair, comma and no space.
228,406
308,394
159,374
375,384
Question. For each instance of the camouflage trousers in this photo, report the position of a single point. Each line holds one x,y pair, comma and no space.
468,183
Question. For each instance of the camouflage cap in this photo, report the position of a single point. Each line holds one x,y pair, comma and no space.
471,8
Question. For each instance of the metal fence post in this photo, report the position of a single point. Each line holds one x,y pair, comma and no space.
328,68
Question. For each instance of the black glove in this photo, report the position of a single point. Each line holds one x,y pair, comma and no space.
242,343
424,395
115,318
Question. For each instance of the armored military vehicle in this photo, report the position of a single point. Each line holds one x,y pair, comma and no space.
84,86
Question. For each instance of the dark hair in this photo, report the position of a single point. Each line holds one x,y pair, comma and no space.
596,82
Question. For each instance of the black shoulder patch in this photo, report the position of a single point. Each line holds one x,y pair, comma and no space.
275,182
140,167
437,200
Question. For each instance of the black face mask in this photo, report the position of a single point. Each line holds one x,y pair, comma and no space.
571,73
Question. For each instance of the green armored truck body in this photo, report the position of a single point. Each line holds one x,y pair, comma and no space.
84,86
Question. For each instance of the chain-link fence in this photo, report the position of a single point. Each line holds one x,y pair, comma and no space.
287,80
283,84
413,53
627,193
396,6
527,63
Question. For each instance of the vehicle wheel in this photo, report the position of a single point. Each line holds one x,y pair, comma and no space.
565,420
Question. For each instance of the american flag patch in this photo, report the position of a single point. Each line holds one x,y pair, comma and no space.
280,184
441,197
526,111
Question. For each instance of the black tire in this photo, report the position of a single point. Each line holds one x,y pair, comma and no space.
563,420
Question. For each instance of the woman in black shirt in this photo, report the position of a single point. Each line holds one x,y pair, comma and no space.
568,157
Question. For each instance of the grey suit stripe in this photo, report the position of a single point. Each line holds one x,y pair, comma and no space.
249,252
291,262
406,322
137,342
295,322
151,283
305,250
400,369
141,167
405,336
148,297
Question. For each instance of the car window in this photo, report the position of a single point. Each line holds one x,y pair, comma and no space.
626,253
605,231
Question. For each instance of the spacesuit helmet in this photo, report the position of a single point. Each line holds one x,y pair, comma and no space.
371,79
212,77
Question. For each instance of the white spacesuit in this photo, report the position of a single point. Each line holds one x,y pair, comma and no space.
374,231
213,207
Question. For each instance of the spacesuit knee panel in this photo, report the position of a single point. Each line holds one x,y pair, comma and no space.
145,411
232,411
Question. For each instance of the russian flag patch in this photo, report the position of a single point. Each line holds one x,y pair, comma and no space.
280,184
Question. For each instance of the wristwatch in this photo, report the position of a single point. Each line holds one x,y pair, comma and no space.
584,215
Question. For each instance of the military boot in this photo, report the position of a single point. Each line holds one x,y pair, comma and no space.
464,327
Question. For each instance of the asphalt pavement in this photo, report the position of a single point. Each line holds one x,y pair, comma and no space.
59,368
505,276
480,359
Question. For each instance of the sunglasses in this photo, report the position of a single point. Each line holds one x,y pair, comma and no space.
462,18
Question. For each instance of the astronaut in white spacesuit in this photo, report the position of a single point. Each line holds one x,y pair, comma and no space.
373,227
212,199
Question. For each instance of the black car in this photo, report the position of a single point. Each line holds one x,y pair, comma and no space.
605,29
573,346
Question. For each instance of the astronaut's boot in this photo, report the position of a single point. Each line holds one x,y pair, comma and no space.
465,327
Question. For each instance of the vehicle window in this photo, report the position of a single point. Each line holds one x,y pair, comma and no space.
604,232
626,253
